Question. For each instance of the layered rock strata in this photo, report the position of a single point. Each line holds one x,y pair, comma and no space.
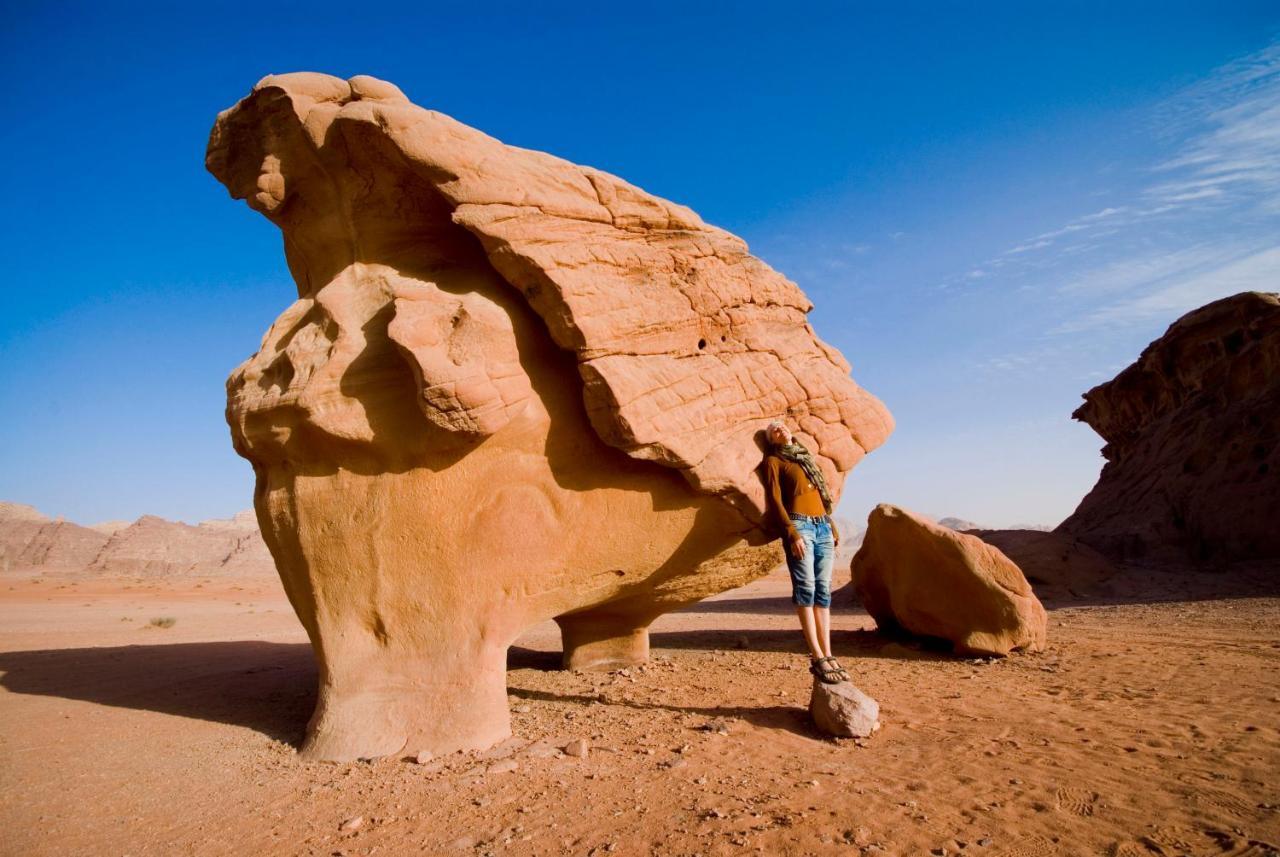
511,388
148,547
30,540
1192,433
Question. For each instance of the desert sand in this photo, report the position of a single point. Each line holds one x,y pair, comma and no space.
1147,726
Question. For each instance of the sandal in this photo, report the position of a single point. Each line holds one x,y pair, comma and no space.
835,665
824,672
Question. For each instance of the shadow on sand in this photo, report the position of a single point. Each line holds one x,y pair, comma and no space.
790,718
267,687
271,687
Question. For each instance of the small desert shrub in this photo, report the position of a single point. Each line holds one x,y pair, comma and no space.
163,621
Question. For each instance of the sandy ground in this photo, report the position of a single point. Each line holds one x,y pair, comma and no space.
1148,727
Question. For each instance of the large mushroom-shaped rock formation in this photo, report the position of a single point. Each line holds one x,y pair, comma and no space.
917,576
511,388
1192,433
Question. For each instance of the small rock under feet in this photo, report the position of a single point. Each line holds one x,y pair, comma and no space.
843,710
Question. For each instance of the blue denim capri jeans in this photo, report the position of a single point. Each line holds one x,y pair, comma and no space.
811,573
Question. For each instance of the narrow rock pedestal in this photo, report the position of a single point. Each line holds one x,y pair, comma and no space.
843,710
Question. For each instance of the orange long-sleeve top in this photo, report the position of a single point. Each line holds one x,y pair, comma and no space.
787,491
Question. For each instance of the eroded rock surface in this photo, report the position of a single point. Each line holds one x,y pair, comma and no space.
1192,433
511,388
915,575
154,547
148,547
1059,564
30,539
843,710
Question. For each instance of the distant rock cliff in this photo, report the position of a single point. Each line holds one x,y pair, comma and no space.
150,546
1192,433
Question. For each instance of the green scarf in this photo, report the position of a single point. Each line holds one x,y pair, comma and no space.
796,452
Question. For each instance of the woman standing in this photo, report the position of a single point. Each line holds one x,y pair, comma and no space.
797,496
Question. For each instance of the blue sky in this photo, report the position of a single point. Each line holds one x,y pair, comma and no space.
993,207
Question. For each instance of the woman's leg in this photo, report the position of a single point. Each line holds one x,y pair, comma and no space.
802,586
824,551
808,625
822,619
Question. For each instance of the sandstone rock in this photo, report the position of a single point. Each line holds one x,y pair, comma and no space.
21,512
503,749
150,546
1192,433
30,540
154,547
109,528
542,750
578,747
1055,560
914,575
843,710
512,388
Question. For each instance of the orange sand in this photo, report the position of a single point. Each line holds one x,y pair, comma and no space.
1148,727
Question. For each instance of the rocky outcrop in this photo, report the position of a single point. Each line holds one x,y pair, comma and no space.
917,576
150,546
842,710
512,388
1192,433
1060,565
109,528
29,539
154,547
13,512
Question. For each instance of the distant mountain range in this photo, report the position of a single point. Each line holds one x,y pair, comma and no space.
228,547
960,524
148,547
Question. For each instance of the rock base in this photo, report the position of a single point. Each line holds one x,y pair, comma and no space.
843,710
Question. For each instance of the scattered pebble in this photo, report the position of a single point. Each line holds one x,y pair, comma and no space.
717,726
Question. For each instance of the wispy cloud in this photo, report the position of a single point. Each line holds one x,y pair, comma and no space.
1257,272
1134,271
1200,221
1233,150
1204,223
